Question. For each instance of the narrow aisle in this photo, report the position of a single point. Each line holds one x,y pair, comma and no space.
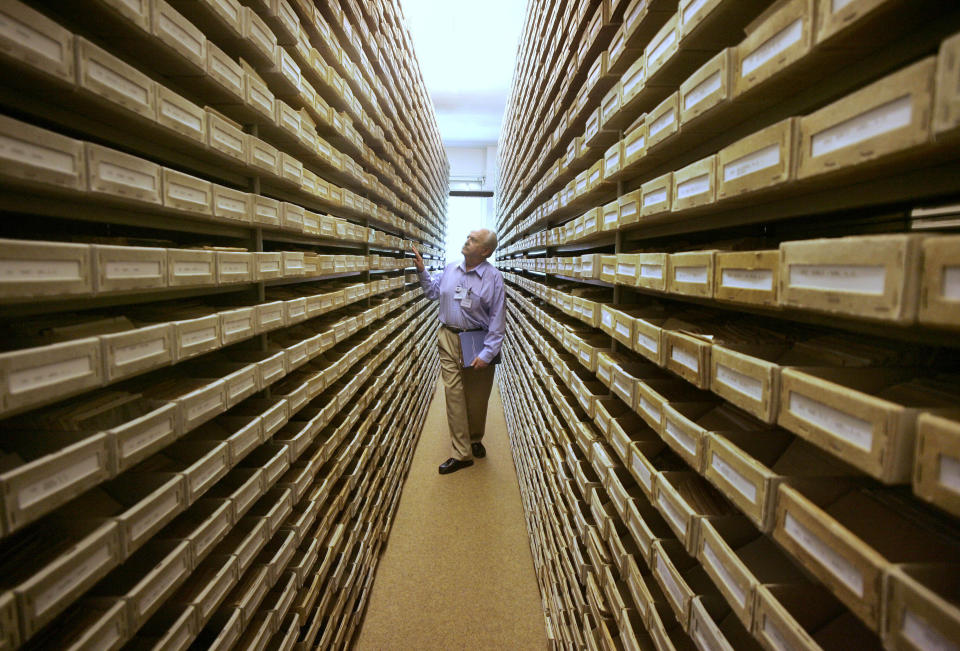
457,572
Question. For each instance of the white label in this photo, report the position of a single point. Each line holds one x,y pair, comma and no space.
647,342
181,35
191,269
136,443
743,486
668,509
177,114
728,581
267,213
654,197
695,186
669,39
922,635
684,358
77,575
46,374
610,217
949,472
35,155
759,279
858,279
950,289
126,176
47,486
661,123
702,90
835,423
131,269
585,356
227,204
772,47
685,441
649,408
239,387
837,5
271,265
627,270
753,162
117,82
833,562
210,404
623,330
697,275
668,581
165,507
234,267
135,352
161,585
609,270
39,270
25,36
740,382
265,157
887,117
198,337
237,325
654,271
634,146
643,473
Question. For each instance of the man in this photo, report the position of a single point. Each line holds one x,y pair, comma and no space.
471,298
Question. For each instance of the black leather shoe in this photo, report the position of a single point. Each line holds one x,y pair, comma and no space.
478,450
453,465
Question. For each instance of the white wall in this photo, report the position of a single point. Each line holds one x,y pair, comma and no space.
465,215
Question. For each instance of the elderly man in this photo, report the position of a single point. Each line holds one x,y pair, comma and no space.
471,299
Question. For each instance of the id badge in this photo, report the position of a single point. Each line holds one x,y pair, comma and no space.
466,302
458,294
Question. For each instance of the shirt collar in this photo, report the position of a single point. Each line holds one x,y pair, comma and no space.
480,268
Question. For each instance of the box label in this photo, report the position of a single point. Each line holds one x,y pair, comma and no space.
136,352
136,443
226,204
649,408
951,283
740,382
887,117
655,197
661,48
626,270
697,275
623,330
185,268
684,358
29,153
36,491
922,635
773,46
198,337
46,374
837,5
164,508
661,122
702,90
128,269
743,485
269,265
214,403
634,146
609,270
753,162
654,271
669,510
16,271
117,82
642,473
79,572
832,561
728,581
758,279
697,185
858,279
685,441
647,342
267,212
835,423
264,156
691,9
949,472
23,35
126,176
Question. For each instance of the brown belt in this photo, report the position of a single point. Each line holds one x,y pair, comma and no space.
459,330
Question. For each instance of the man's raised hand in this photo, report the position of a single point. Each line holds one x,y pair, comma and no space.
417,259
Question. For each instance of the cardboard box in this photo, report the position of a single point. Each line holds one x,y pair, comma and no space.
266,211
695,185
946,106
235,267
262,156
136,351
938,460
185,193
760,161
38,43
226,137
750,277
888,117
869,277
656,196
120,175
652,271
44,269
223,70
126,268
774,42
634,144
940,282
39,157
692,273
663,46
663,121
707,88
919,606
232,205
632,83
113,80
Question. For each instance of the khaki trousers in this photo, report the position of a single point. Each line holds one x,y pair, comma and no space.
467,392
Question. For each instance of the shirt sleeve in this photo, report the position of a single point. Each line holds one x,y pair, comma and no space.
498,324
430,284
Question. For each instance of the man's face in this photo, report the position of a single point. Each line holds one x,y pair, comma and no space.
474,246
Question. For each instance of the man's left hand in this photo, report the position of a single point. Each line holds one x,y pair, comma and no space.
478,363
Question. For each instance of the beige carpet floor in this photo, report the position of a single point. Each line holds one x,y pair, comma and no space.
457,572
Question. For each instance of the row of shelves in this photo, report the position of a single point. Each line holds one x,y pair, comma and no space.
220,461
822,528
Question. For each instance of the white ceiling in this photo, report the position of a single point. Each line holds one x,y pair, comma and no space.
467,52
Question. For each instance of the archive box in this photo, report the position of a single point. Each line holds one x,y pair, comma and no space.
44,374
30,270
184,40
112,80
208,585
225,72
695,185
712,622
692,273
946,111
940,282
663,121
232,205
749,277
138,350
634,144
831,529
235,267
656,196
775,41
890,116
680,577
652,271
760,161
628,209
266,211
39,157
707,88
38,43
126,268
112,173
872,277
191,268
687,426
685,499
664,45
262,157
921,605
226,137
937,465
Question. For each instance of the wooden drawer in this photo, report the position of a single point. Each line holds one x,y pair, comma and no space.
226,137
692,273
180,36
266,211
920,605
135,351
126,268
35,156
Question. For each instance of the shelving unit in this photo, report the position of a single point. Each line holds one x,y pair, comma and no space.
728,232
216,360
